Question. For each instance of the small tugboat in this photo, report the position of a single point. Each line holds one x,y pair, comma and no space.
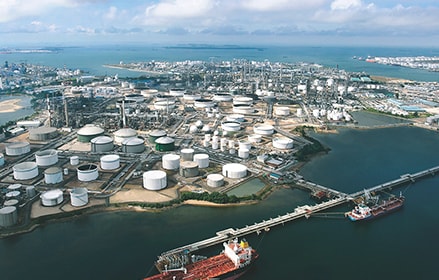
364,212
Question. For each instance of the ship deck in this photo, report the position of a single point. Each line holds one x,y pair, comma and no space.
202,270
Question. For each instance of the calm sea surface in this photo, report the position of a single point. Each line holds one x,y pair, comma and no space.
124,245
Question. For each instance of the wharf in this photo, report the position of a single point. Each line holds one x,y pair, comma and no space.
299,212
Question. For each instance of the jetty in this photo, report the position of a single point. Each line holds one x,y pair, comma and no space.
299,212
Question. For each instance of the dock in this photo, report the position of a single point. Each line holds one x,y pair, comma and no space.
299,212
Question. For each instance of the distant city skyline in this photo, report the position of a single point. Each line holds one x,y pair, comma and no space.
245,22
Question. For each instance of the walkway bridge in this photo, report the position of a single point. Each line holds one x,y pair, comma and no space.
299,212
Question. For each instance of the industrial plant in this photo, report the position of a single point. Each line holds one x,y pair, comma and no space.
202,128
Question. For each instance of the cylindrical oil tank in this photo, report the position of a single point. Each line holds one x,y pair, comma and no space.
110,162
170,161
74,160
15,187
25,170
101,144
53,175
243,109
202,160
133,145
8,216
231,126
187,154
191,97
222,97
282,111
235,118
282,143
124,133
215,180
254,138
12,194
42,133
2,159
203,103
164,105
234,170
79,197
46,157
154,180
165,144
231,144
11,202
263,129
215,145
178,92
245,145
156,134
189,169
17,148
30,191
52,197
242,100
89,132
87,172
243,153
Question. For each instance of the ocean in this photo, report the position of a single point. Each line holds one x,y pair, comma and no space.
124,245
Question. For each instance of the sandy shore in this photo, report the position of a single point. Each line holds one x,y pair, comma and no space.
9,106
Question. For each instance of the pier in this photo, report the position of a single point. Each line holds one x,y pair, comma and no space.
299,212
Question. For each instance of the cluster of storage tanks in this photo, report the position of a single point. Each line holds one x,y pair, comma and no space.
332,115
15,193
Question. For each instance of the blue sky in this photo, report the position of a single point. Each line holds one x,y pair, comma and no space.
277,22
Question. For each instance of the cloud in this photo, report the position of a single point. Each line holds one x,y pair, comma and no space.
111,13
280,5
180,9
345,4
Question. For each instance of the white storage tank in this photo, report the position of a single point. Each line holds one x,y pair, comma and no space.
202,160
243,153
234,170
263,129
110,162
282,143
14,187
235,118
8,216
244,100
79,197
46,157
164,105
243,109
25,170
171,161
203,103
2,159
215,145
254,138
215,180
101,144
189,169
52,197
12,194
282,111
133,145
74,160
42,133
30,191
89,132
154,180
245,145
11,202
87,172
222,97
17,148
191,97
187,154
124,133
53,175
231,126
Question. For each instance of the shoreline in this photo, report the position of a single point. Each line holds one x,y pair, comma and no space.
10,105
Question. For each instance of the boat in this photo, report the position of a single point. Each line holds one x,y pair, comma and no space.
364,212
231,263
